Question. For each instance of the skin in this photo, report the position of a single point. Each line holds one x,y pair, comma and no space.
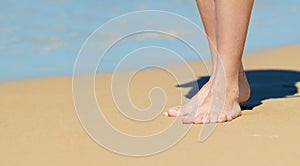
226,25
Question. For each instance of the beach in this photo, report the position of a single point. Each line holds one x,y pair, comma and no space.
39,125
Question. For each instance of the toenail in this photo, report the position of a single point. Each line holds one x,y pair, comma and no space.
166,114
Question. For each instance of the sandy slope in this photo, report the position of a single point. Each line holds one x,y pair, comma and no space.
39,126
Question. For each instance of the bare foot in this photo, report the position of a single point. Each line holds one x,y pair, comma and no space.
217,106
193,104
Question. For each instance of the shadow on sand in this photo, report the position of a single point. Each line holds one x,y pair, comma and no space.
265,84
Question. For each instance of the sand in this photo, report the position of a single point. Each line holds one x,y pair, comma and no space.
39,125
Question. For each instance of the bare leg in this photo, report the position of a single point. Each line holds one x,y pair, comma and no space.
207,12
209,19
232,25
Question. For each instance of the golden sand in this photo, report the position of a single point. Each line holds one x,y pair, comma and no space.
39,125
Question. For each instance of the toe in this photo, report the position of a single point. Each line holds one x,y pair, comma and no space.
206,119
172,112
188,119
213,117
229,117
198,119
222,118
237,114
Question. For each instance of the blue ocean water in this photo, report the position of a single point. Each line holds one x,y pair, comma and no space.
43,38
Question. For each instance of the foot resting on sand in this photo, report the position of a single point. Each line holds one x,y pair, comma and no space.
212,104
226,25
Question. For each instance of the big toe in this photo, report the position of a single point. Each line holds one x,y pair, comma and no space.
173,112
188,119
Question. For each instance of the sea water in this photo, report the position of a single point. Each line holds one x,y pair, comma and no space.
40,38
